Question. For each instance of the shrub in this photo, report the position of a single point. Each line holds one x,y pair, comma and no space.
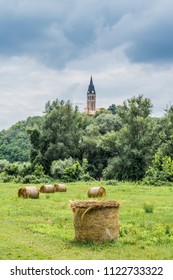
17,179
111,183
161,170
109,172
70,170
29,179
72,173
58,167
3,164
12,169
148,207
38,171
86,177
24,169
7,178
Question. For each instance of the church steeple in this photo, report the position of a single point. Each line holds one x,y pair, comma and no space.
91,89
91,98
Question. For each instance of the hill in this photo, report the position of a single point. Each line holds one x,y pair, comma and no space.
14,142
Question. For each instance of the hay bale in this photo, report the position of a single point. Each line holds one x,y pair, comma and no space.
20,192
28,192
96,221
47,189
60,187
96,192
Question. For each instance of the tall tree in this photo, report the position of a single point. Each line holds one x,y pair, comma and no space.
94,141
166,133
134,141
15,143
60,134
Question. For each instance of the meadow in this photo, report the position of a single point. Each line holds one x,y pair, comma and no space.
42,229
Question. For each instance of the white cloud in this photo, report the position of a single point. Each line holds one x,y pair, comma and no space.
50,48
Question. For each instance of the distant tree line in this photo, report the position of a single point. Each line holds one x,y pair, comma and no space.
15,143
121,143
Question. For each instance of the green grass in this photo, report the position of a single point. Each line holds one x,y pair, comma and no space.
42,229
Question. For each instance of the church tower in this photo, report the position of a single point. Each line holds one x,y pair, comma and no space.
91,98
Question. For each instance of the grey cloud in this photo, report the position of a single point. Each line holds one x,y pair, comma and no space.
56,32
50,48
153,45
27,27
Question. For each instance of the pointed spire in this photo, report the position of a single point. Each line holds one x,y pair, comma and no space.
91,89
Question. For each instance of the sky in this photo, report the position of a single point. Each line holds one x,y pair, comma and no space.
50,48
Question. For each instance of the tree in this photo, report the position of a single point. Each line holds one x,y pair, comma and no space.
112,108
95,139
15,143
108,122
58,167
135,107
160,170
134,142
60,134
166,133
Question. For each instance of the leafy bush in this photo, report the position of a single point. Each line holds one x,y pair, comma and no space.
34,179
12,169
38,171
29,179
72,173
3,164
18,179
70,170
111,183
148,207
86,177
112,169
24,169
22,172
160,171
58,167
7,178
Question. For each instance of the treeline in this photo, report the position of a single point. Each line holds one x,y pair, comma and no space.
15,143
121,143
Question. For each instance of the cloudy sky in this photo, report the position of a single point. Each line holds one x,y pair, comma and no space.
50,48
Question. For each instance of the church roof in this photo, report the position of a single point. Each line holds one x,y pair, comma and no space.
91,88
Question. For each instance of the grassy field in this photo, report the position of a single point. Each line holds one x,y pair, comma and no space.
42,229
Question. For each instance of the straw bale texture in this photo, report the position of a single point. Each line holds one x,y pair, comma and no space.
20,192
96,192
28,192
47,189
96,221
60,187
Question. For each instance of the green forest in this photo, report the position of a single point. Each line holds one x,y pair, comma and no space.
121,143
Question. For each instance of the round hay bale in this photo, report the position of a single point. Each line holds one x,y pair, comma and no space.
20,192
28,192
47,189
60,187
96,192
96,221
